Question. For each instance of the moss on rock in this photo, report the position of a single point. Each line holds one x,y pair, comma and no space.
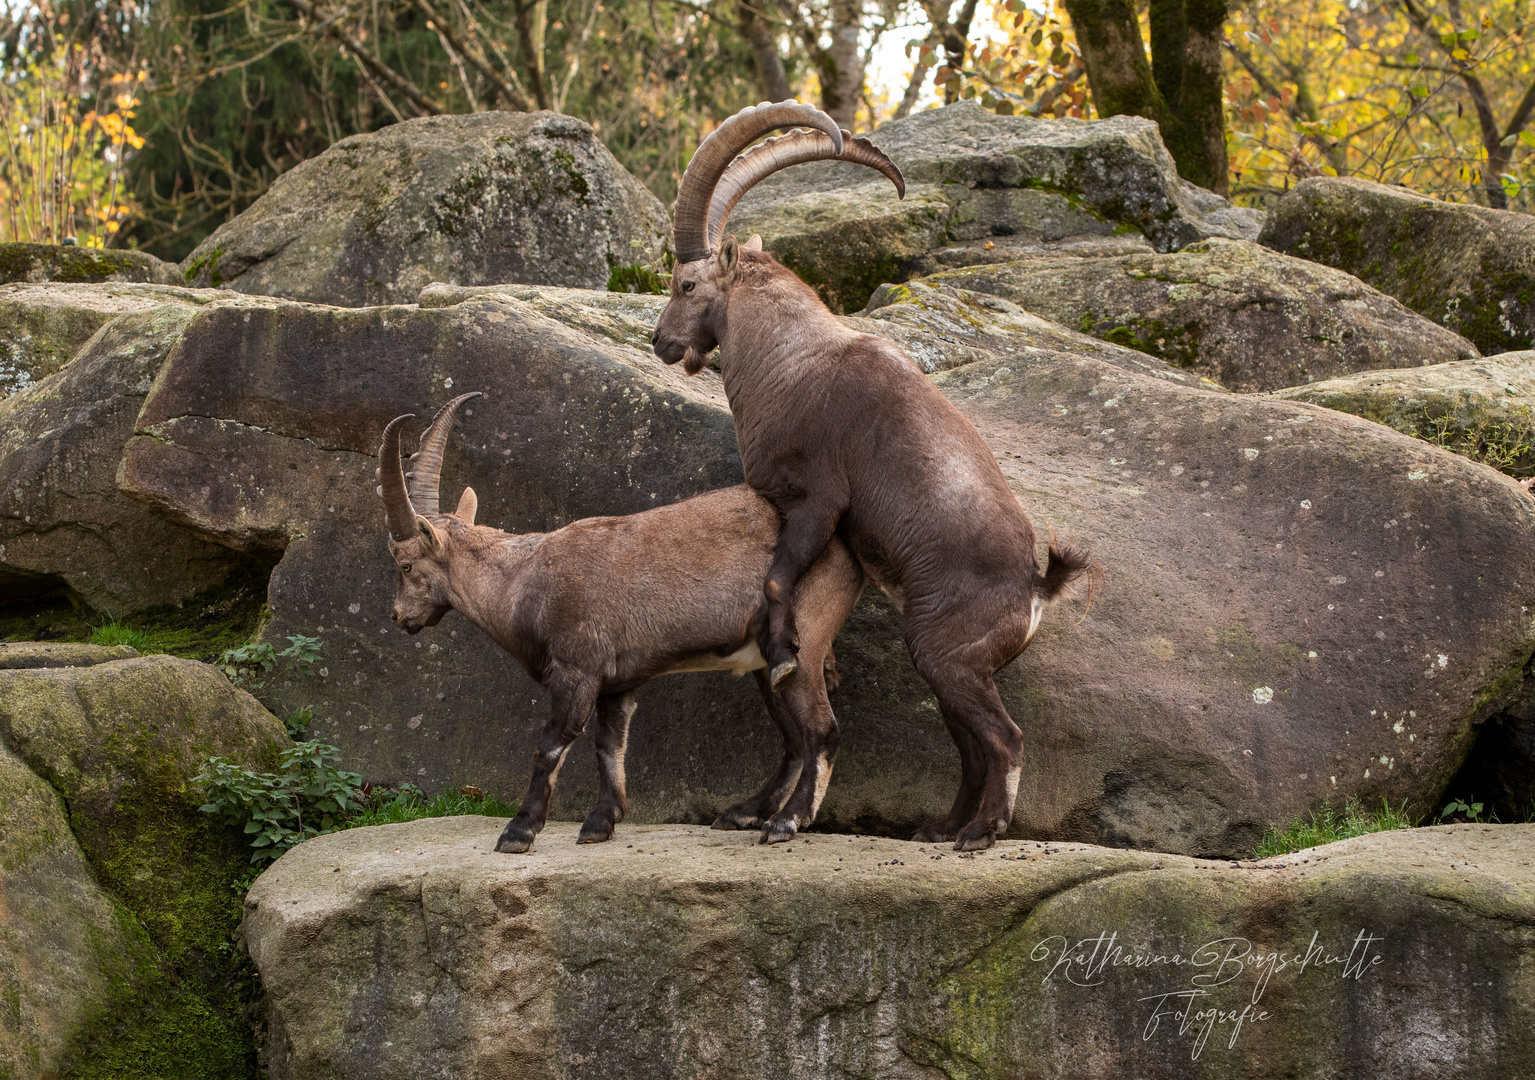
80,265
1482,409
120,742
1235,312
1468,268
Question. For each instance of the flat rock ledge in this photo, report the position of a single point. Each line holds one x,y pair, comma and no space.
415,951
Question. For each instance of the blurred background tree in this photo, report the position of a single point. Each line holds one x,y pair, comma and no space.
66,129
1428,94
214,99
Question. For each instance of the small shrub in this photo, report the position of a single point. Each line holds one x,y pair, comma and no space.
247,663
1461,810
1506,444
1327,825
307,796
116,633
297,722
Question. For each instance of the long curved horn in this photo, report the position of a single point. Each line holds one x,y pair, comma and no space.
426,463
795,148
398,513
690,238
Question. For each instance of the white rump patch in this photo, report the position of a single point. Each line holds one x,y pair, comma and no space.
1036,610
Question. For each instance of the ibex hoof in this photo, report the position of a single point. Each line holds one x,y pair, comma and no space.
515,840
974,843
933,834
782,671
595,832
776,832
735,819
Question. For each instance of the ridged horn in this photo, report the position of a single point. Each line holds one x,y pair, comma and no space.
426,463
690,221
398,513
795,148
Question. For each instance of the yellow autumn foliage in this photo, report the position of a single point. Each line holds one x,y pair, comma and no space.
1403,92
1409,92
61,163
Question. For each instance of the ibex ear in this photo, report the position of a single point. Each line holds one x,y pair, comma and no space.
753,243
730,255
468,503
431,539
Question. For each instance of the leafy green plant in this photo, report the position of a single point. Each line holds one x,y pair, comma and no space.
247,664
117,633
1327,825
307,796
297,722
1462,809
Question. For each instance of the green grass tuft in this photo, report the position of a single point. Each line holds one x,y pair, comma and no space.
1327,825
409,803
118,633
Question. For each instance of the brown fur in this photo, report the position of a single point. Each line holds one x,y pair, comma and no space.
847,438
594,610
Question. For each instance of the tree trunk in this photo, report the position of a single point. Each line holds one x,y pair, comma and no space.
1179,88
842,68
759,35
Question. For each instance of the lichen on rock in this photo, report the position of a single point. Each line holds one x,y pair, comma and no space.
1228,310
1468,268
469,200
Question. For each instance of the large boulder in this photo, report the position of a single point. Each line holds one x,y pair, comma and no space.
479,199
415,950
1229,310
1484,408
976,180
1469,268
120,895
1276,571
64,525
61,941
942,327
81,265
42,327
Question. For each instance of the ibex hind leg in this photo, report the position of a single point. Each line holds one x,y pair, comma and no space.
572,701
751,813
972,780
958,665
613,714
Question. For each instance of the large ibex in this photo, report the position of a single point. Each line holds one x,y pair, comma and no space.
846,437
596,609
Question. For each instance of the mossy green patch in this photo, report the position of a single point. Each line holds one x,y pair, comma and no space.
152,1023
121,743
638,278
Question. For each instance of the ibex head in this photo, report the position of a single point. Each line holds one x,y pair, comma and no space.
715,181
420,545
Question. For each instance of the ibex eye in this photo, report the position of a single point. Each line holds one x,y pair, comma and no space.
687,286
405,569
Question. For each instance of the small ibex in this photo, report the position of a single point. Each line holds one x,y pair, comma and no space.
594,610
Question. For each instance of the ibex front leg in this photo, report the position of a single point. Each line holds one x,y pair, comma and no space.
573,696
613,713
807,529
